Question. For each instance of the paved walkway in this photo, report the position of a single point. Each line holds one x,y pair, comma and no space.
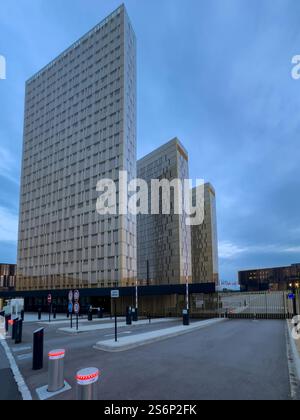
81,321
127,343
33,317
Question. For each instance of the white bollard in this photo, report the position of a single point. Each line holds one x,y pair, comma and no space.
10,328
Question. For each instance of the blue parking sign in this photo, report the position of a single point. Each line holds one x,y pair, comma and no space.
70,307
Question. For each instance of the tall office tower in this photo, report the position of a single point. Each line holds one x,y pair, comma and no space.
164,241
205,260
80,127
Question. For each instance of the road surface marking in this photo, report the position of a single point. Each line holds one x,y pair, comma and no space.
24,356
20,349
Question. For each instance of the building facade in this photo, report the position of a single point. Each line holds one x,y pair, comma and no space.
278,278
80,127
164,240
7,276
205,259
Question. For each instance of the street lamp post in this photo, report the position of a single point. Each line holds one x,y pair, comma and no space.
186,312
136,296
187,295
135,312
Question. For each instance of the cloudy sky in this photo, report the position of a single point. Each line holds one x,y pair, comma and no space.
216,74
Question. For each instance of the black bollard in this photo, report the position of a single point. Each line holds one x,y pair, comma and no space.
19,332
186,317
129,316
54,313
14,329
90,314
7,319
38,349
135,314
39,314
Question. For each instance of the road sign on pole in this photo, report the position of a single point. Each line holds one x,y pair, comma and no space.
70,296
76,295
77,310
70,307
49,299
115,294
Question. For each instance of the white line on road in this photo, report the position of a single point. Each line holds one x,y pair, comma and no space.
26,395
20,349
24,356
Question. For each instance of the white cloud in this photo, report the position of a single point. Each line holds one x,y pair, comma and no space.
228,250
8,226
292,250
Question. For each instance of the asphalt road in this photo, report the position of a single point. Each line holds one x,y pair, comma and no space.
234,360
8,386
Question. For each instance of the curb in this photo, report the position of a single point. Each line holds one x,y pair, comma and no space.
109,326
111,347
295,352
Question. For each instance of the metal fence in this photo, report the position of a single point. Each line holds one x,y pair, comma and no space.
260,305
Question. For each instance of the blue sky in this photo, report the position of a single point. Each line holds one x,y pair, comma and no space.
216,74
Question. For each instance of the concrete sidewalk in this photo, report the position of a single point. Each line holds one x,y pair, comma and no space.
103,326
33,317
127,343
81,321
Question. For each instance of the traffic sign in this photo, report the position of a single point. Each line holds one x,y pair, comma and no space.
115,294
76,295
70,307
70,296
49,299
291,296
76,308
